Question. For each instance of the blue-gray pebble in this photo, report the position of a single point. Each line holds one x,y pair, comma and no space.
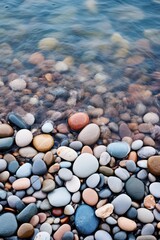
39,167
27,213
135,188
68,236
118,149
120,235
8,224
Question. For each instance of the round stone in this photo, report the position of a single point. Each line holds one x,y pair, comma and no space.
135,188
101,234
153,164
148,229
154,189
69,210
137,144
121,204
67,153
146,152
18,84
105,211
6,228
26,230
89,134
65,174
39,167
122,173
24,171
118,149
90,196
23,138
42,236
76,145
48,185
43,142
21,184
98,150
73,185
144,215
105,158
47,127
55,197
6,130
115,184
78,121
151,117
85,165
85,220
93,180
27,152
127,224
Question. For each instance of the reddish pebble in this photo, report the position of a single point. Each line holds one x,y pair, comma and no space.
42,217
21,184
90,196
61,230
34,220
132,156
78,121
87,149
57,212
62,128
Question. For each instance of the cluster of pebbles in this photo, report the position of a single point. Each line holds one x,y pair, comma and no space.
73,185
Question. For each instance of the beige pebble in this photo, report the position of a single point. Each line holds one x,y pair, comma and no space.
34,220
67,153
4,176
89,134
29,199
43,142
87,149
21,184
61,230
90,196
101,203
6,130
27,152
149,201
127,224
26,230
48,185
48,158
36,58
105,211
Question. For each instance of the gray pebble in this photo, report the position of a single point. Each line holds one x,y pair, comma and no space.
111,221
142,174
121,204
65,164
89,238
13,166
27,213
122,173
148,229
3,165
101,234
47,127
135,188
76,197
3,194
156,215
55,197
104,193
93,180
146,152
131,166
8,224
155,189
105,158
45,205
39,167
24,171
98,150
46,227
144,215
76,145
115,184
35,182
68,236
120,236
132,213
65,174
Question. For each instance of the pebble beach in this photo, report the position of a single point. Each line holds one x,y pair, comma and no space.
79,120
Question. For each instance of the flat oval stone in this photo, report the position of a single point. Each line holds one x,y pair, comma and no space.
78,121
21,184
48,185
121,204
153,164
67,153
105,158
42,236
93,180
6,143
39,167
90,196
122,173
85,220
151,117
76,145
118,149
24,171
35,182
27,152
146,237
135,188
137,144
121,235
73,185
154,189
105,211
98,150
43,142
69,210
26,230
131,166
47,127
27,213
101,234
90,134
3,165
17,120
124,130
144,215
127,224
23,137
55,197
85,165
115,184
146,152
61,231
65,174
148,229
6,130
6,228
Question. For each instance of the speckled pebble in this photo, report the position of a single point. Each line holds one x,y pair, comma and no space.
67,153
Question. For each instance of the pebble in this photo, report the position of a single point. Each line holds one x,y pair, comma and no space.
48,185
68,236
135,188
122,173
137,144
142,163
6,143
3,165
87,149
90,196
65,174
146,237
151,117
101,234
42,236
149,202
17,121
69,210
23,138
146,152
144,215
29,119
67,153
76,145
27,152
121,235
148,229
118,149
154,189
98,150
93,180
8,224
61,231
115,184
131,166
78,121
105,211
132,213
39,167
55,197
85,220
21,184
47,127
89,134
43,142
85,165
46,227
18,84
124,130
121,204
106,171
105,158
127,224
76,197
6,130
24,171
48,43
26,230
153,165
27,213
142,174
35,182
73,185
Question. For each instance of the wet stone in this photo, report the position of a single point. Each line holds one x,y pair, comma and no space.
17,121
6,143
68,236
124,130
78,121
118,149
47,127
6,130
13,166
135,188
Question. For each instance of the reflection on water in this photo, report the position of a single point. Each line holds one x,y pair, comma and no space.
69,52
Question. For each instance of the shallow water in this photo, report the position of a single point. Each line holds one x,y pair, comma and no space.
110,45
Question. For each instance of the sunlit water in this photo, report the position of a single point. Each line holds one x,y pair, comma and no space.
109,45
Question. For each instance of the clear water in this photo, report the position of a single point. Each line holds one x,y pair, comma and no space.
86,31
